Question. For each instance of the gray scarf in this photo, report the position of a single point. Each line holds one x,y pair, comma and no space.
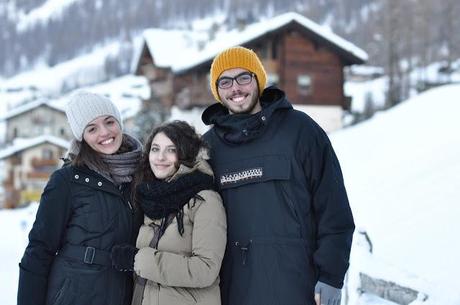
120,167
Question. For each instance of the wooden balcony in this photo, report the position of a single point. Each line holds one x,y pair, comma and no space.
38,175
44,162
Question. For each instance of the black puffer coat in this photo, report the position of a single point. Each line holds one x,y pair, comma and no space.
67,261
289,221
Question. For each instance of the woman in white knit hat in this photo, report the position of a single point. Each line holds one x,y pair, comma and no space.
85,210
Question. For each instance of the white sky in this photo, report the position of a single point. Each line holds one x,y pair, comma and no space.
401,172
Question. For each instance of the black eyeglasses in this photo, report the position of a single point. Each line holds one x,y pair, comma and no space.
226,82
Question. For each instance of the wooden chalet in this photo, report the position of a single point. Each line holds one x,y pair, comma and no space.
38,134
35,119
301,57
28,165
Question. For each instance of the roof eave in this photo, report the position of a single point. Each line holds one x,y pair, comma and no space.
44,141
348,58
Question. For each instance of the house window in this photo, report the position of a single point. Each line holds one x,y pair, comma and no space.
274,49
304,83
208,78
261,51
273,79
47,154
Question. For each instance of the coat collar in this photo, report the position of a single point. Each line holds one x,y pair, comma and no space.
241,128
85,176
200,165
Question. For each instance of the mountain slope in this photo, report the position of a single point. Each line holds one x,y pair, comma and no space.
401,170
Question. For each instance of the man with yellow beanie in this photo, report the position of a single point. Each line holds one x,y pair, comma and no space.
290,225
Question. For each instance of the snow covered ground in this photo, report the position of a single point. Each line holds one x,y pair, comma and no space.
401,169
14,227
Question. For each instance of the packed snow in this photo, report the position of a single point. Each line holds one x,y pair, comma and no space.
401,171
14,228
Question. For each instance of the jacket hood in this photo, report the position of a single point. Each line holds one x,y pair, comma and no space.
200,165
240,128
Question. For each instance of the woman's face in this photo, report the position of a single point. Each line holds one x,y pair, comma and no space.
103,134
163,156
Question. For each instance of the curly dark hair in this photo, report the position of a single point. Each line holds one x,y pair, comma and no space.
188,143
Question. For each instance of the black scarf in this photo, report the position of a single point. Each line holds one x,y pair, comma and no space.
160,199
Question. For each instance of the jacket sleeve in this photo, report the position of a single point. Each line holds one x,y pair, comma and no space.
331,209
209,236
44,241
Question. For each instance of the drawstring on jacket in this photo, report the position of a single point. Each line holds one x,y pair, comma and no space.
244,250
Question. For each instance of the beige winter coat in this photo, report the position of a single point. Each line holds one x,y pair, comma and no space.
185,269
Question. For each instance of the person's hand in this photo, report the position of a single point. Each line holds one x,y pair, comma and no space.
327,295
123,257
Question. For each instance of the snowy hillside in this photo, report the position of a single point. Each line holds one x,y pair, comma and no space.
42,13
84,70
14,227
401,171
402,174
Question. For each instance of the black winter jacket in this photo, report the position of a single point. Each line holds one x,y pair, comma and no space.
67,261
289,220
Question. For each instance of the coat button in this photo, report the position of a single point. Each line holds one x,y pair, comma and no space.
76,177
86,179
99,183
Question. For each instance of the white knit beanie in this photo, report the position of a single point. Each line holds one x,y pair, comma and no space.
83,107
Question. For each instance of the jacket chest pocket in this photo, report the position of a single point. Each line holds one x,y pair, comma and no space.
258,192
255,185
242,172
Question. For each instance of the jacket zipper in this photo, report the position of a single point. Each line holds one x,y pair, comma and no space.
129,202
159,287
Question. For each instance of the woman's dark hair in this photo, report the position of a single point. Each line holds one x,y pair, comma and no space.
87,155
188,143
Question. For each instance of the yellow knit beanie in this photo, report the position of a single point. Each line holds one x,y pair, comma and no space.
237,57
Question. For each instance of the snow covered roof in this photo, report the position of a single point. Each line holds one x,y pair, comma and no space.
126,92
181,50
168,47
21,144
367,70
30,106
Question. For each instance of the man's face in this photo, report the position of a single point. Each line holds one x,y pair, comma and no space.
242,97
